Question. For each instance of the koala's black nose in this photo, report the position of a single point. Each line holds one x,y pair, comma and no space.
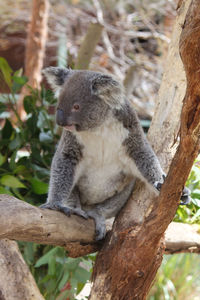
60,117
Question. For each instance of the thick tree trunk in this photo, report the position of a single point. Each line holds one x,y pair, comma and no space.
16,281
132,254
35,48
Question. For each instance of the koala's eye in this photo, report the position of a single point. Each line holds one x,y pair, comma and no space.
76,107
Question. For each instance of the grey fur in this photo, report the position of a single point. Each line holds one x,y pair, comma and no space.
102,149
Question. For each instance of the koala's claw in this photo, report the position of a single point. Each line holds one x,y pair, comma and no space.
185,197
73,211
66,210
158,184
48,206
80,212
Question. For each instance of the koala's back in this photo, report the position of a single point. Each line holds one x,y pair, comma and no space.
104,169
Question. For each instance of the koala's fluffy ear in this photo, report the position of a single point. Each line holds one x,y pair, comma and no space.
56,76
110,90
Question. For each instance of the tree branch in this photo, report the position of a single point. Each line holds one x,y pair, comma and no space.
88,45
22,221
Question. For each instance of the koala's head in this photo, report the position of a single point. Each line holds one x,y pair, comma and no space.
85,97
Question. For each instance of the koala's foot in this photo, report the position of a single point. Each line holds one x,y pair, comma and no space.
185,197
100,225
66,210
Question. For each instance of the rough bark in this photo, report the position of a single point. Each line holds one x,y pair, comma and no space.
88,46
16,280
130,257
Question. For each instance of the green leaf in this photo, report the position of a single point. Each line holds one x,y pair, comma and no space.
2,159
29,104
7,130
6,70
41,123
21,169
2,107
82,275
18,83
29,252
11,181
72,263
5,191
45,258
45,137
63,280
39,187
18,73
12,163
80,286
16,143
52,266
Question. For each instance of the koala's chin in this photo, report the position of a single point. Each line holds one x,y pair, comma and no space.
71,128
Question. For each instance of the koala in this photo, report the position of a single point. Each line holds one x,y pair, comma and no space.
102,149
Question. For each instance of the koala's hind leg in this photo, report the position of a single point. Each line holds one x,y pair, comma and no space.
68,207
108,209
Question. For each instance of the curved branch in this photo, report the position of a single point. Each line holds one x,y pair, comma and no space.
22,221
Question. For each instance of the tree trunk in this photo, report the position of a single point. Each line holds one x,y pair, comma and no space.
35,48
132,253
16,280
36,41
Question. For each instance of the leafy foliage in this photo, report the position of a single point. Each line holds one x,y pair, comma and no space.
178,278
56,274
26,148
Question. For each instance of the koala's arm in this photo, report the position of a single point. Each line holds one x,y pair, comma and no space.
62,194
138,148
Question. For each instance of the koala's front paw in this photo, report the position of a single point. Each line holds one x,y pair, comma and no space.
185,197
158,184
66,210
76,211
49,205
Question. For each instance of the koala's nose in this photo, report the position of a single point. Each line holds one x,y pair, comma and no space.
60,117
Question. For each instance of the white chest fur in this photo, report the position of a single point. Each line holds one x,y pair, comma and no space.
104,169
